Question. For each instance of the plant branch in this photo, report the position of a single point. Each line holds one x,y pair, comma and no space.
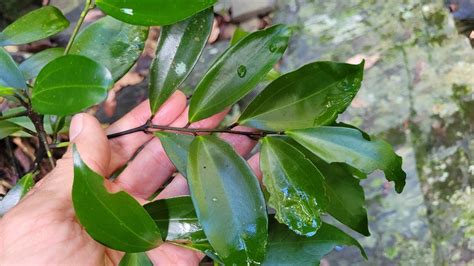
148,125
88,6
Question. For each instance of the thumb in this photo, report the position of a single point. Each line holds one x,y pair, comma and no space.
91,142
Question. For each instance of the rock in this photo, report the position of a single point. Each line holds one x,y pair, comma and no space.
251,25
245,9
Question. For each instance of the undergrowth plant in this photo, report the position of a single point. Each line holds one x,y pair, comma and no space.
311,164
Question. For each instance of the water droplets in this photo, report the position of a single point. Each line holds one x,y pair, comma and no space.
273,47
242,71
127,11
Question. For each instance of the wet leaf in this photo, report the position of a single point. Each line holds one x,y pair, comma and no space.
295,185
135,259
179,49
7,128
70,84
152,12
310,96
31,67
10,75
234,74
347,145
239,34
228,200
179,224
36,25
115,220
112,43
177,148
287,248
15,194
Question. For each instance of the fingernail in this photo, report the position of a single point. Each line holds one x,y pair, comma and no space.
76,127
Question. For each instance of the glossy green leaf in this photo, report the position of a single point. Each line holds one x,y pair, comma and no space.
178,223
296,186
112,43
228,201
287,248
31,67
239,34
15,194
70,84
115,220
152,12
36,25
347,145
7,128
177,148
237,71
6,91
346,197
10,75
135,259
313,95
179,49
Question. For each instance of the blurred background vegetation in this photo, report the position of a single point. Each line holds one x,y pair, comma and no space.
418,93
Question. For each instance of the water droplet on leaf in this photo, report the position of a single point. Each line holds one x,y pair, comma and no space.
241,71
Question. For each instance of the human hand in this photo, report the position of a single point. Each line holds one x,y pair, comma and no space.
43,229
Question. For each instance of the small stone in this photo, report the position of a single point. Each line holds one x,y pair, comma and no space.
245,9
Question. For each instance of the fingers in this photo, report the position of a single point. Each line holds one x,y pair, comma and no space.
92,144
124,147
151,167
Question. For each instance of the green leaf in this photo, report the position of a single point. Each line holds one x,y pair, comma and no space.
152,12
237,71
239,34
228,200
10,75
287,248
14,196
178,50
70,84
177,148
36,25
347,145
295,185
7,128
115,220
31,67
114,44
6,91
135,259
346,197
311,96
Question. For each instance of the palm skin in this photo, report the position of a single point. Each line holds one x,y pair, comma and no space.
43,229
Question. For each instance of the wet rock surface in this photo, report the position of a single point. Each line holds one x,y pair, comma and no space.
419,95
